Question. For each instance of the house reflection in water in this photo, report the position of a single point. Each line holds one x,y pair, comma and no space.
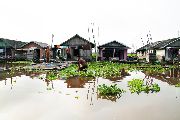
174,73
172,77
77,82
49,84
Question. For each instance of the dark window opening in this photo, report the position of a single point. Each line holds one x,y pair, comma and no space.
76,52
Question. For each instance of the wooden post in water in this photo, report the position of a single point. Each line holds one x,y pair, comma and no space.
178,62
47,55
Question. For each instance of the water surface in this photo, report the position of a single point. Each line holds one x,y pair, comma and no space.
24,96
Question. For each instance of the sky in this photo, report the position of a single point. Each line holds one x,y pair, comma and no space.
126,21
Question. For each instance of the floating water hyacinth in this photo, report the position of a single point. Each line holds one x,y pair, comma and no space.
177,85
138,86
51,76
95,69
110,90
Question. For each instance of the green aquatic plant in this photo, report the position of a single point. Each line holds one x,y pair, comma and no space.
77,97
109,69
155,88
109,90
138,86
152,68
177,85
42,76
48,88
12,71
51,76
95,69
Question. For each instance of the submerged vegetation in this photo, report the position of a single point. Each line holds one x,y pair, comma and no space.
138,86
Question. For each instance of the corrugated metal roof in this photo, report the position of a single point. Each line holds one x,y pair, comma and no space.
43,45
159,44
165,43
10,43
149,46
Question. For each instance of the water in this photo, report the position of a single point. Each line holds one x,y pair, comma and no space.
26,97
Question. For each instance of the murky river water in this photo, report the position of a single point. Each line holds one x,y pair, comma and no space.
25,97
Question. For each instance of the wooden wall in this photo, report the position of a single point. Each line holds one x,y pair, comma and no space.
30,52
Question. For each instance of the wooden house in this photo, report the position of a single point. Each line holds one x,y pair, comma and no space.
147,52
35,50
8,48
113,50
77,46
167,49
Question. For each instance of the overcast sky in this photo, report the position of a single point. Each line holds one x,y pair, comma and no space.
126,21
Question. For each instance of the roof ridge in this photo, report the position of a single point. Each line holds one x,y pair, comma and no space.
160,44
76,35
174,39
38,43
112,42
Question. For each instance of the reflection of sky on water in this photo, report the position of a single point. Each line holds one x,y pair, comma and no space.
24,98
